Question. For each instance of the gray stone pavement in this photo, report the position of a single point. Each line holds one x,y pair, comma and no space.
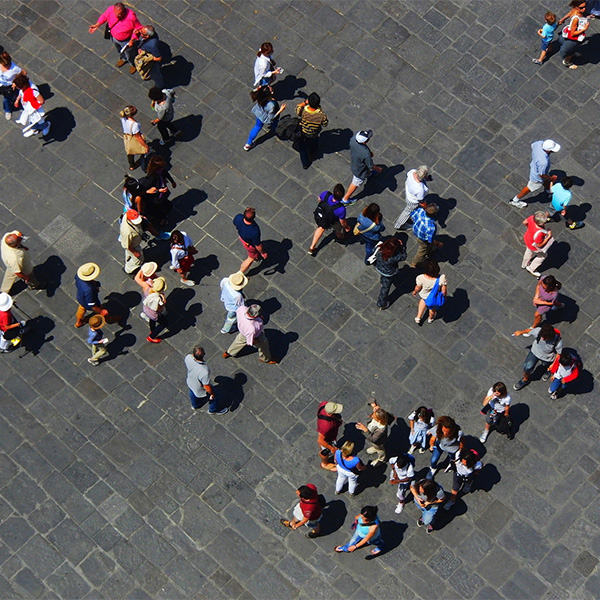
111,487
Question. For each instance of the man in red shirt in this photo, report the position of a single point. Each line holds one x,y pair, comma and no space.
122,23
307,512
537,241
329,421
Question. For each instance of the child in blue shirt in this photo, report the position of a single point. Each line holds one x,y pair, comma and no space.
546,33
561,196
96,339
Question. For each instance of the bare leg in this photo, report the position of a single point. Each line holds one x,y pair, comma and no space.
246,264
523,193
319,231
422,308
349,192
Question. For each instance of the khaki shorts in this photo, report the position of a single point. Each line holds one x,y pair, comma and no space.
534,186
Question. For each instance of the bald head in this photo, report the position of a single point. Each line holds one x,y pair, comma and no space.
12,240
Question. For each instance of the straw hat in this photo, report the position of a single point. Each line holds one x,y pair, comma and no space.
238,281
148,269
96,321
159,284
88,272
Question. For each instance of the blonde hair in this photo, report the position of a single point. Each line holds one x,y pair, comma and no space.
128,111
347,448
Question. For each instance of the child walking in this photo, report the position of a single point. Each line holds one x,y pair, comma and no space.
546,33
421,421
96,339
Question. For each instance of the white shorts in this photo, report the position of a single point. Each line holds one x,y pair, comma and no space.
299,516
534,186
357,181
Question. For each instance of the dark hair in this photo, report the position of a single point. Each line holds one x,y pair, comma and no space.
390,248
338,191
432,268
156,94
21,81
575,3
369,513
550,18
155,164
500,387
305,492
567,182
249,214
5,59
262,95
402,461
423,412
551,284
429,488
198,352
565,358
265,48
176,237
450,423
314,100
372,212
119,5
469,457
547,332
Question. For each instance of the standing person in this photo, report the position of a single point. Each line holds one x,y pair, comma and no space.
265,70
465,468
307,512
361,159
348,467
330,214
17,261
155,307
266,110
198,382
329,421
250,326
121,22
561,197
495,405
162,104
425,230
573,35
448,437
428,496
390,253
144,278
232,298
249,234
32,101
538,170
88,297
131,233
312,121
546,347
546,33
133,138
544,300
367,530
376,432
415,190
8,71
421,421
401,474
565,369
429,285
182,255
96,339
155,187
370,226
10,328
537,241
148,44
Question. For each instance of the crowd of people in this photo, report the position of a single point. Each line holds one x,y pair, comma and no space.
146,210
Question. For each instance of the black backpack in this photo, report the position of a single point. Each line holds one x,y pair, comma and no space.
288,128
324,216
504,426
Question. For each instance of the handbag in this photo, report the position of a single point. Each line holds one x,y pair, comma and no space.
357,231
107,34
435,298
373,256
133,144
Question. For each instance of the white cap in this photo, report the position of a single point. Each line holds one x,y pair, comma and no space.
362,137
550,146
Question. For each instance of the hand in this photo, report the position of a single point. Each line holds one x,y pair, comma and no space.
93,28
104,341
283,107
351,548
414,293
163,190
265,256
361,427
104,312
130,43
553,178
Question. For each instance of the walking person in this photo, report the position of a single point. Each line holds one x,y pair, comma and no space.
361,159
144,278
155,307
388,255
425,230
447,437
544,300
348,468
428,495
561,197
312,121
548,344
131,235
17,262
266,111
464,470
8,71
369,227
401,474
537,242
88,296
330,214
33,116
249,234
121,23
155,187
329,421
182,255
199,384
546,33
573,35
565,369
250,327
367,530
265,69
133,138
376,432
415,190
10,329
422,421
308,512
232,298
96,339
496,405
432,288
538,170
148,46
162,104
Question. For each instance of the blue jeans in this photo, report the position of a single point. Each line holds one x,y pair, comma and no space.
256,129
8,100
436,455
369,247
230,322
427,513
376,541
557,383
531,360
198,402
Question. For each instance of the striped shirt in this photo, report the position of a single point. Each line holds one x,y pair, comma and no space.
311,120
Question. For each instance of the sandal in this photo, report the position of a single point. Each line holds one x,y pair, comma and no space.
340,549
375,551
285,522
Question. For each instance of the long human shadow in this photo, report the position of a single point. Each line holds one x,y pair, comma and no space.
287,88
450,251
402,283
204,267
372,477
590,51
181,316
397,442
567,314
37,334
184,206
50,273
178,73
456,306
190,127
334,140
62,123
277,259
578,212
377,184
279,342
558,254
519,413
230,390
121,305
334,515
119,344
392,534
445,205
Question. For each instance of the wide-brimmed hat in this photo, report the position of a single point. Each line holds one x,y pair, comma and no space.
333,408
96,321
88,271
238,280
148,269
5,301
133,216
159,284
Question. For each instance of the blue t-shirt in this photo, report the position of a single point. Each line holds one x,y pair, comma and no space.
560,197
540,162
249,233
345,463
339,211
151,46
94,335
548,32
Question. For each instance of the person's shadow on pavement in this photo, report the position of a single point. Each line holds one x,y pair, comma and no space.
392,534
190,127
50,272
334,515
62,124
279,342
36,336
334,140
181,316
278,257
450,251
377,184
456,306
204,267
230,390
183,207
286,88
119,344
445,205
178,72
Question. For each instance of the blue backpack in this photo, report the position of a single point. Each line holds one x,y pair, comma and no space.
435,299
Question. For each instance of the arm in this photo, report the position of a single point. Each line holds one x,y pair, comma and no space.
364,540
546,239
360,466
574,31
209,390
539,32
323,442
281,109
561,21
417,289
300,523
101,19
444,289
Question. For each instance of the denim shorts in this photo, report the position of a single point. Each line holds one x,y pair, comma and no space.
546,44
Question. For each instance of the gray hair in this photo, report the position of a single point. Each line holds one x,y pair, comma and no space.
254,310
540,217
422,172
148,30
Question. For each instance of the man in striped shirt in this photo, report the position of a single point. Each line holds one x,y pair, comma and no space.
312,120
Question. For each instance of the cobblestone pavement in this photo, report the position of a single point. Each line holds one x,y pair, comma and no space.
111,487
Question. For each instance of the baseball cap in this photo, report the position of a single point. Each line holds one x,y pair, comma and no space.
333,408
550,146
362,137
134,216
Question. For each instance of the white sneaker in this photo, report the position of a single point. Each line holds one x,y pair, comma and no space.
399,508
534,273
144,316
484,436
8,116
371,450
28,133
412,449
517,203
422,450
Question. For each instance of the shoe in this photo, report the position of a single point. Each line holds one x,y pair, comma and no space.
569,65
576,225
448,468
349,202
484,436
248,147
537,61
399,508
284,522
534,273
517,203
223,331
430,320
448,505
312,534
384,306
46,129
267,362
370,450
161,142
8,116
546,376
420,522
144,316
376,462
417,320
467,487
352,495
421,450
93,362
28,133
412,449
337,493
226,355
429,528
120,63
218,412
79,324
188,282
153,340
553,396
132,70
4,351
520,385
